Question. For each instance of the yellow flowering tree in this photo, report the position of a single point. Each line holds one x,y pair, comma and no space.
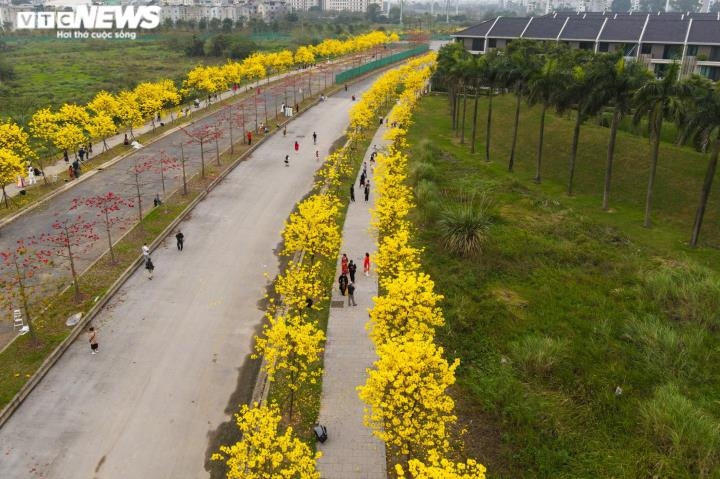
395,255
100,127
15,140
314,227
441,468
299,282
11,166
304,56
292,348
128,111
264,451
408,307
406,391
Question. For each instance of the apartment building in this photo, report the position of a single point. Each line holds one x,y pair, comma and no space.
656,40
350,5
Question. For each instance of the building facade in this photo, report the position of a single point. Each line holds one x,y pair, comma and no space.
656,40
351,5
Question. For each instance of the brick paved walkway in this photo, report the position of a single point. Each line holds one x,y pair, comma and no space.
351,451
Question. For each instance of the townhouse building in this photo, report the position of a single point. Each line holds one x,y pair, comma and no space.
656,40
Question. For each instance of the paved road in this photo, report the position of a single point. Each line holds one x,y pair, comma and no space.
173,349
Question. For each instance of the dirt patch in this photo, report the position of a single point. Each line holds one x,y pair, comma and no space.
515,303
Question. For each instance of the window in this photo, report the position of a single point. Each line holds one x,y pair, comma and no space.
478,44
646,49
692,50
672,52
603,46
586,46
492,43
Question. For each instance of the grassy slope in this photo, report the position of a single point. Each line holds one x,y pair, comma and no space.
556,313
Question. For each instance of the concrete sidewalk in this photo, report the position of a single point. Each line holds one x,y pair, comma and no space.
351,451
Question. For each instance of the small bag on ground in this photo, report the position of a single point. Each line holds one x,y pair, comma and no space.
320,433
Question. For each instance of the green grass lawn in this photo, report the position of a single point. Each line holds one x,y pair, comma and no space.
73,71
567,303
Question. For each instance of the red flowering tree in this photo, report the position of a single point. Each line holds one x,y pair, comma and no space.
137,172
234,117
201,135
167,164
21,268
107,206
72,237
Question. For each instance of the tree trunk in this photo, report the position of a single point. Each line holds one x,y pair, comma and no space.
182,160
202,160
5,197
511,163
573,151
653,169
217,150
72,268
489,124
110,245
609,161
474,123
705,194
462,123
538,162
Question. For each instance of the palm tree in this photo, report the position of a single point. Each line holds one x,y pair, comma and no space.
572,94
657,99
447,72
520,63
614,83
541,89
490,75
703,123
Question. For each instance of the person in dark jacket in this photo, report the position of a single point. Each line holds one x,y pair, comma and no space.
352,267
343,282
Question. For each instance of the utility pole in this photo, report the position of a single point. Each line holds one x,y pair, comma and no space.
401,13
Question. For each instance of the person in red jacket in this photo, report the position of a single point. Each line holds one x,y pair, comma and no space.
249,136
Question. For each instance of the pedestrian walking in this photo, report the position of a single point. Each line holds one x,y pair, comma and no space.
93,340
362,180
31,176
364,171
343,283
297,147
367,190
346,87
249,137
352,193
89,150
149,267
180,237
284,130
344,264
287,160
126,142
71,172
67,158
145,252
351,294
76,168
366,264
81,153
314,138
352,268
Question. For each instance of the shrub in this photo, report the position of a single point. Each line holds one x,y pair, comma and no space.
537,355
464,227
688,438
686,291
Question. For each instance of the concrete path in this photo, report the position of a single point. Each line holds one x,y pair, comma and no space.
172,366
351,451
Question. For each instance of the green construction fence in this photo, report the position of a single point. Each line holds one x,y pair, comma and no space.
375,64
